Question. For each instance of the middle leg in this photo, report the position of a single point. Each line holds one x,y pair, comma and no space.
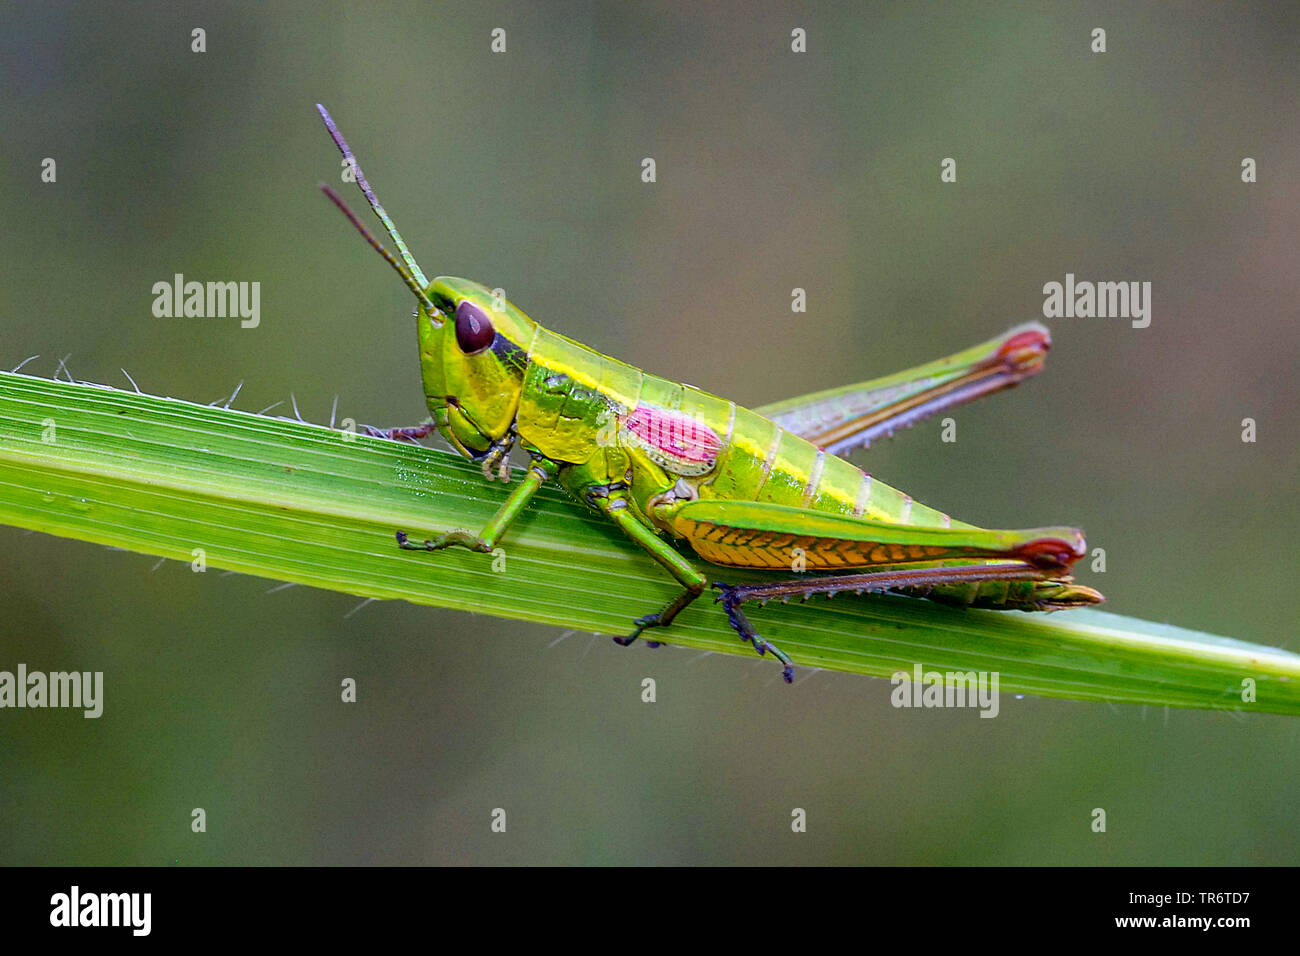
692,581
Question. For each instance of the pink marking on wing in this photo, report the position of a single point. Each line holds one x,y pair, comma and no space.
674,433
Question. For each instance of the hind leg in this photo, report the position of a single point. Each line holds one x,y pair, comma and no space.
872,581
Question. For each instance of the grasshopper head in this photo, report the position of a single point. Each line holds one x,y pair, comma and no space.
473,352
473,343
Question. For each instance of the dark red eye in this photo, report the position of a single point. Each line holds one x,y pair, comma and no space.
473,328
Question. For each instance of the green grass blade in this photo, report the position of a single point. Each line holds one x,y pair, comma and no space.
303,503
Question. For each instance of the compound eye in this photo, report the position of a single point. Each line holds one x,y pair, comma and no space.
473,328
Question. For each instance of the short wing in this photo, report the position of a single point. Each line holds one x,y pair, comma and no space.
840,419
762,535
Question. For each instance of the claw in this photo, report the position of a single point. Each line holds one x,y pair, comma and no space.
410,433
731,604
496,461
650,620
405,543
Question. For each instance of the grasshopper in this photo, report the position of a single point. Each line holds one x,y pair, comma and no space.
674,467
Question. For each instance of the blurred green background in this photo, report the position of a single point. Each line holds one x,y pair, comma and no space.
775,170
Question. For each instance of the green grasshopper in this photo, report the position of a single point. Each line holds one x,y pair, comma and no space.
669,464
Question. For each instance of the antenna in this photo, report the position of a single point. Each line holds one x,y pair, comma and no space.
411,275
379,248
